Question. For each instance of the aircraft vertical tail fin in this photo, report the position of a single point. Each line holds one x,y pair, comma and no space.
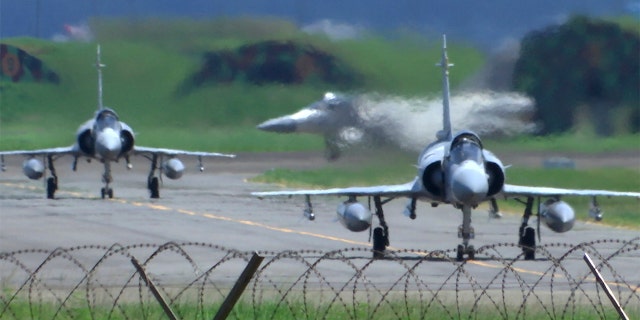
99,66
445,133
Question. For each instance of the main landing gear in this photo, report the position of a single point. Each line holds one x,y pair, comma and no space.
526,233
381,233
153,182
52,182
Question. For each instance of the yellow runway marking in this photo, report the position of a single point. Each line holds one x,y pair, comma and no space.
278,229
494,266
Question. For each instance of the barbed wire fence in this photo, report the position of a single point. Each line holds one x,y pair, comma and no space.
316,284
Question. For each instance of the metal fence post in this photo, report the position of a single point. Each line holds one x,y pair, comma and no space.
606,288
154,290
239,287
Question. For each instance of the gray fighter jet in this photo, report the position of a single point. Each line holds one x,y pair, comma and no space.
456,170
334,117
106,139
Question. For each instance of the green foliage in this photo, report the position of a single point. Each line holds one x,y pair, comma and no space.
147,61
582,62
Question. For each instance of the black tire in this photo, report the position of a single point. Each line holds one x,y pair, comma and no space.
154,188
110,193
529,243
471,252
51,187
460,253
379,243
103,193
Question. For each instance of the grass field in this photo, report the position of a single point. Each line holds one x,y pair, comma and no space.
393,309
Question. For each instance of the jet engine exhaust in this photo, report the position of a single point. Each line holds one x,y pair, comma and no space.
410,123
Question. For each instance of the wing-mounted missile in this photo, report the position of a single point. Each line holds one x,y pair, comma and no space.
410,208
594,210
33,168
354,216
173,168
557,215
308,209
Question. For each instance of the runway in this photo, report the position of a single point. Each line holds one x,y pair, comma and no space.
215,207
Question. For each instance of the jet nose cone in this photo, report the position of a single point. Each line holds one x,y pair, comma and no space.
108,144
280,125
469,184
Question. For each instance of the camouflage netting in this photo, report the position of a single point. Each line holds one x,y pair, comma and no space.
584,62
18,65
272,62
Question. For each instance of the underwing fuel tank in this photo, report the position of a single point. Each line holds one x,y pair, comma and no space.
354,216
557,215
173,168
33,168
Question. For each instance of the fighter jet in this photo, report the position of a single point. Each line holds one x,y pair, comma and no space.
455,169
334,117
106,139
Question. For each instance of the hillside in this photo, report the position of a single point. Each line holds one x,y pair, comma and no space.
144,72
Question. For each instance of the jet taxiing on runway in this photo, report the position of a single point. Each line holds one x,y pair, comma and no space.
456,170
106,139
335,117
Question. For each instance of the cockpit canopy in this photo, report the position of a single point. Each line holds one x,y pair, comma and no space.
107,118
330,101
466,146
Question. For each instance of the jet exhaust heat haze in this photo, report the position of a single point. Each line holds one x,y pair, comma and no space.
373,119
410,123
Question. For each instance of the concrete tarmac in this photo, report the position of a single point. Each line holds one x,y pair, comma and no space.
215,207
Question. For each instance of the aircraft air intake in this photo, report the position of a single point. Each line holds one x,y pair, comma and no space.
433,179
127,141
496,177
86,143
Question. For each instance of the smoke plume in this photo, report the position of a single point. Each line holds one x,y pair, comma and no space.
412,123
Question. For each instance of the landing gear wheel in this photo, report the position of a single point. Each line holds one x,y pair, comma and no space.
106,192
51,187
379,243
528,243
154,186
460,253
469,250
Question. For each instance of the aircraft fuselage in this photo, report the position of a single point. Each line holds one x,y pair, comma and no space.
105,137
